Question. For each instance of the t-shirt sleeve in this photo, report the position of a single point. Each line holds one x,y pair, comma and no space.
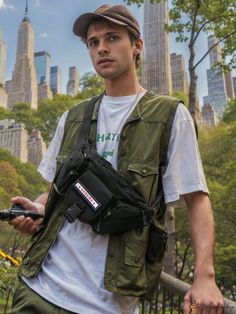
47,167
184,172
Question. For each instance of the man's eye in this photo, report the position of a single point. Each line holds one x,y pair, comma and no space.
113,38
92,43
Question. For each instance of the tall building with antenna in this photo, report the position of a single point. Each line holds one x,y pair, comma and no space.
23,85
3,58
156,69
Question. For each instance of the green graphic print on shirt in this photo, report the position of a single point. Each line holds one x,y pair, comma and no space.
108,141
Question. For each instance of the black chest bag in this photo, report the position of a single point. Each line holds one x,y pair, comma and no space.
94,192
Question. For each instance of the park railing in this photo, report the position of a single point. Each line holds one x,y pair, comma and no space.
169,298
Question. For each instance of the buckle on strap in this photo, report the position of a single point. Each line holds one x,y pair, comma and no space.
73,212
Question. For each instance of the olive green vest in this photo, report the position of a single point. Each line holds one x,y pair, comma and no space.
142,151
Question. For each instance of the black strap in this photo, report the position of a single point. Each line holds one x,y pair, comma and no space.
83,136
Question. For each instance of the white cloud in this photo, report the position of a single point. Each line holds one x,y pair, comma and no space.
43,35
4,6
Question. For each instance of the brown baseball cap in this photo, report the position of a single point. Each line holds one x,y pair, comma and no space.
117,14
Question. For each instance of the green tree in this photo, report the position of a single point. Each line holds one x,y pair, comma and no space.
91,85
218,149
190,18
49,112
22,113
18,178
182,96
230,112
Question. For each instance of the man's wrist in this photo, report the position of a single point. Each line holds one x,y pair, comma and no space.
207,273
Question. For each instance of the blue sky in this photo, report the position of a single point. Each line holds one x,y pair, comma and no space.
52,22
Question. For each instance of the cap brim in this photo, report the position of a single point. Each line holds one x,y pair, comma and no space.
83,22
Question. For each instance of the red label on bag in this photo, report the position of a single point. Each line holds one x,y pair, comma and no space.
87,195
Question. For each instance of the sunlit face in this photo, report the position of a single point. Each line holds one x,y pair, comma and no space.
111,51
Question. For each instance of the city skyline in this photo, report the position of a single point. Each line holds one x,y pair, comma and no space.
53,33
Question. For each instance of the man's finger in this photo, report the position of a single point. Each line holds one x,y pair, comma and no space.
196,308
187,305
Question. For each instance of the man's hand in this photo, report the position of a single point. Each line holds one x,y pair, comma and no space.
203,297
26,225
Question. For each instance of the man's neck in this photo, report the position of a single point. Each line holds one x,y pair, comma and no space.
122,88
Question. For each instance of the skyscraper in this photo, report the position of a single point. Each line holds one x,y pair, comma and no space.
229,85
55,80
156,69
3,57
217,93
208,115
23,86
42,60
73,83
178,73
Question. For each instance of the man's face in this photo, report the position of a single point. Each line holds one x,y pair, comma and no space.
111,51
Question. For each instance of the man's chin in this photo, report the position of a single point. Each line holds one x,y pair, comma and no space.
107,76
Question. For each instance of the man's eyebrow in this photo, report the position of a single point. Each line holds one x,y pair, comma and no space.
109,33
91,38
113,32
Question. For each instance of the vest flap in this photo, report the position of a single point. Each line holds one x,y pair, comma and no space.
143,169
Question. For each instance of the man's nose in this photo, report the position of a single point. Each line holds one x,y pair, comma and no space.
102,48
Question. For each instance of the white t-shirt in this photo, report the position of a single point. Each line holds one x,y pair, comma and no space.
73,271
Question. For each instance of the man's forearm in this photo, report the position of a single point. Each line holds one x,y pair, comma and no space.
202,232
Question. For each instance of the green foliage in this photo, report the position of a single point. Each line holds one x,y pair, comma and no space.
18,178
91,85
226,264
8,275
184,251
230,112
182,96
218,148
49,112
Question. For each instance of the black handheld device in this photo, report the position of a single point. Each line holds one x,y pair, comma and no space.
16,211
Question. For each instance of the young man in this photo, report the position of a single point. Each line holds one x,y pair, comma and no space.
69,268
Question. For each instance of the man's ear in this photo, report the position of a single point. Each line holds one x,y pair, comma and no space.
138,46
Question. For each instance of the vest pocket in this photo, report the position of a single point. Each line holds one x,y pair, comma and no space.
132,275
134,254
145,179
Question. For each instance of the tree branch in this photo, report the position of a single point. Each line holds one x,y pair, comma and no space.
184,260
191,41
213,46
210,21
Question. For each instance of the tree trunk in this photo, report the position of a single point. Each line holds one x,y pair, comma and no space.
193,101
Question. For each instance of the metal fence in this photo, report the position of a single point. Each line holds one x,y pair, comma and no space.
169,298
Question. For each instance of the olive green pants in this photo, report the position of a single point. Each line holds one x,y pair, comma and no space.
26,301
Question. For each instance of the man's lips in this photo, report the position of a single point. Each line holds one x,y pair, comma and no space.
105,61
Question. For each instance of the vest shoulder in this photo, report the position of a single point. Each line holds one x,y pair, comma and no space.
77,110
158,107
166,100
